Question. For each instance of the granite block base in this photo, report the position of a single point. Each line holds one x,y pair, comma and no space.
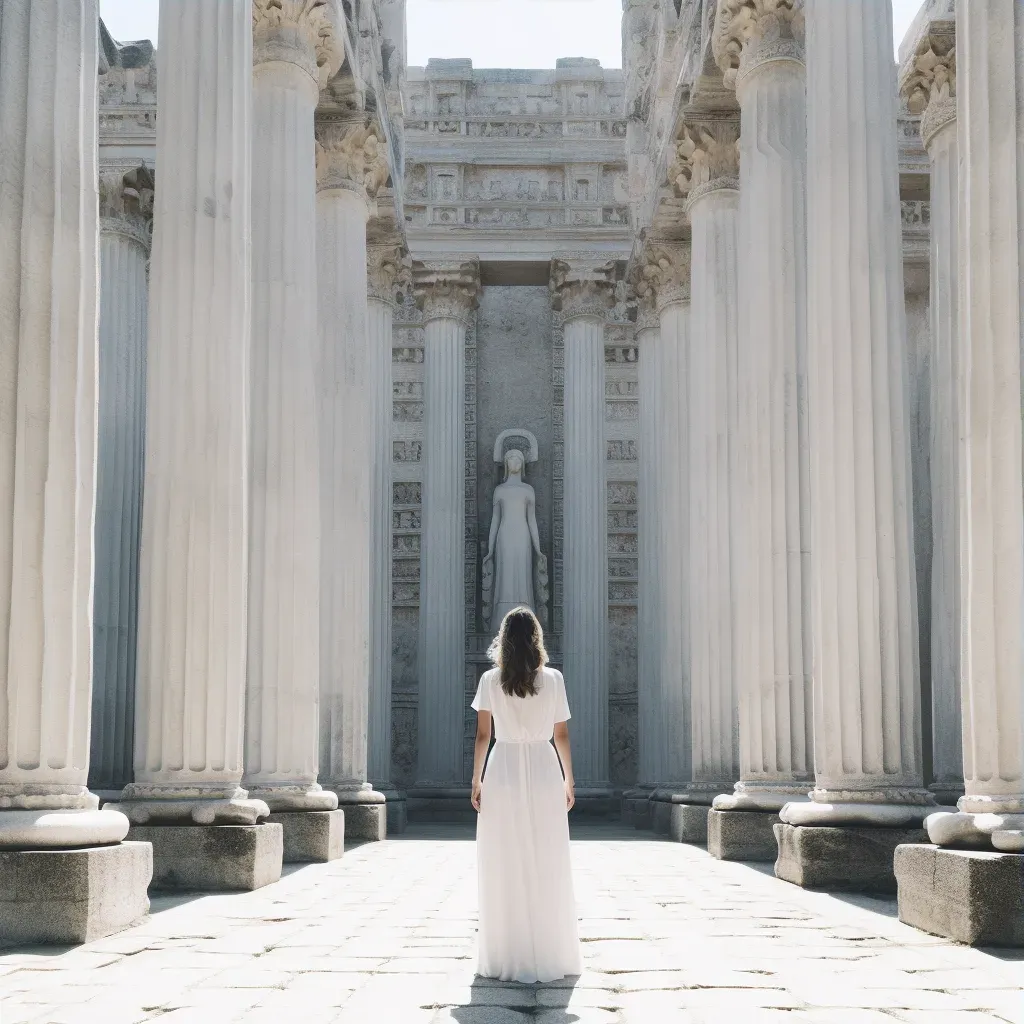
972,896
849,859
311,837
217,858
365,822
743,835
688,823
73,896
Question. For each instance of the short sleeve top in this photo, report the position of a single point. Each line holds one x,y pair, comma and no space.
524,719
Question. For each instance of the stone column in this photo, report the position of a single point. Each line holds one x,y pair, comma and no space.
350,169
707,169
867,728
760,51
447,294
387,272
126,208
929,86
297,47
663,285
190,685
583,296
49,264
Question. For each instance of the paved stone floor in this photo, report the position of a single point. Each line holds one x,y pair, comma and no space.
385,936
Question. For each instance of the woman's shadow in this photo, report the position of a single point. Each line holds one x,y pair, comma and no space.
493,1002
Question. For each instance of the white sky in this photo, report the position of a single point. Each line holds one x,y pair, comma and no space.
494,33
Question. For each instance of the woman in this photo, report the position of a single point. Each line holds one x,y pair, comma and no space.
528,928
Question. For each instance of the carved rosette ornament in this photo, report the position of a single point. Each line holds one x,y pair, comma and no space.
663,276
388,273
579,289
126,204
751,33
928,82
446,291
707,158
350,155
309,33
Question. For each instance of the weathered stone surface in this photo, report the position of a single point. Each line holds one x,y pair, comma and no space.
742,835
365,822
636,810
213,857
972,896
689,823
397,813
661,817
311,837
71,896
427,803
843,859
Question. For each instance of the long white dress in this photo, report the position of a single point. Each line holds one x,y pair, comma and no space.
528,929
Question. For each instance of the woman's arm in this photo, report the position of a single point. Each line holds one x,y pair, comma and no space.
483,741
565,756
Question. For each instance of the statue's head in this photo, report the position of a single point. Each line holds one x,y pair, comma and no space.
515,462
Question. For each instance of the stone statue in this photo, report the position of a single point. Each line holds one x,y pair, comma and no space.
515,570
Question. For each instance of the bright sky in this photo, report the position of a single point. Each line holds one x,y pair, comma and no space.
494,33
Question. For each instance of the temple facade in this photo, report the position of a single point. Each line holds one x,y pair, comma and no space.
713,360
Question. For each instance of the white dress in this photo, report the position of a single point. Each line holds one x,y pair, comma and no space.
528,930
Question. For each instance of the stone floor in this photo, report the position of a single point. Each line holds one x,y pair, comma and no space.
385,936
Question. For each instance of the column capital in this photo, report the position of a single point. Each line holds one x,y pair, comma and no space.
126,203
928,79
350,155
661,276
749,34
388,273
707,157
446,291
582,289
308,33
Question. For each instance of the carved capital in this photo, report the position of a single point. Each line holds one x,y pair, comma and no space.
308,33
350,155
751,33
707,158
662,276
388,273
581,289
928,79
126,204
446,291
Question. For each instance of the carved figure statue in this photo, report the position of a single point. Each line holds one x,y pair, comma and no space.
515,570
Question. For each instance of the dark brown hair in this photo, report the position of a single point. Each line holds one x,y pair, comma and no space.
518,652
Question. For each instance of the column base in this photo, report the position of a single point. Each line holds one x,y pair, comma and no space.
280,798
73,896
396,808
743,835
1000,831
311,837
218,858
440,804
60,829
849,859
144,804
662,801
688,823
969,896
947,794
365,814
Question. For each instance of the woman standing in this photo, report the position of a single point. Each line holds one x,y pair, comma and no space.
528,929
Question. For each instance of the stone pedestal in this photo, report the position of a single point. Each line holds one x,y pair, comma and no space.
218,858
661,816
365,814
848,859
437,804
396,809
688,823
743,835
636,809
970,896
72,896
311,837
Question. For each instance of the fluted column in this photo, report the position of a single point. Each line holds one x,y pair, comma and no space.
49,263
384,273
707,163
760,50
583,296
447,296
867,728
929,85
990,102
126,207
190,684
350,169
296,46
663,642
